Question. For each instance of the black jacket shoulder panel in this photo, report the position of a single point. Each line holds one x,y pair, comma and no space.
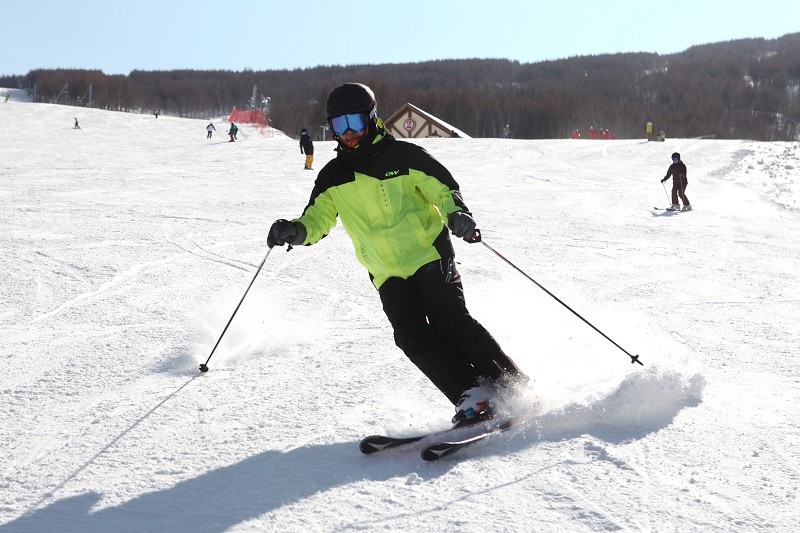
397,158
386,159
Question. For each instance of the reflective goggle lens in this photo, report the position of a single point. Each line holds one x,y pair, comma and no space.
352,121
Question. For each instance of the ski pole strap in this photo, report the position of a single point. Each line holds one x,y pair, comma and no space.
634,358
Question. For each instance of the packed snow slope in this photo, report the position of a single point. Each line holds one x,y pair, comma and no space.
127,244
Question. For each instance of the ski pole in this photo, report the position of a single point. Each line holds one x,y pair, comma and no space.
204,366
669,200
476,237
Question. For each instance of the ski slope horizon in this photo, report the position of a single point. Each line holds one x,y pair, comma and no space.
127,244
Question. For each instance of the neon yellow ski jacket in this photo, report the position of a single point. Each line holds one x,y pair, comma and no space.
393,199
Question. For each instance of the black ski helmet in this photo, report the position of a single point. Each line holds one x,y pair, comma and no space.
350,98
677,156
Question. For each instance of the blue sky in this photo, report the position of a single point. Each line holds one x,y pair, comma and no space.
119,37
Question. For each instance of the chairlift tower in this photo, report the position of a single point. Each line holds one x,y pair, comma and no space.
253,98
88,92
64,90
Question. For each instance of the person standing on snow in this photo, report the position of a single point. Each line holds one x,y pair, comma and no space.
648,130
210,129
232,132
76,127
307,147
396,202
679,182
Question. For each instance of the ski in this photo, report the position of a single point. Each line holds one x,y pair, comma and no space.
665,209
437,450
378,443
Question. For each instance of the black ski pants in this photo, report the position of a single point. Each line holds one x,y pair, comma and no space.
679,184
436,332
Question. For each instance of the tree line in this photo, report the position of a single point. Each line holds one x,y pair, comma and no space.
742,89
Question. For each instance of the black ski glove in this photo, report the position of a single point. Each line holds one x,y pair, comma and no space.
663,180
461,224
286,232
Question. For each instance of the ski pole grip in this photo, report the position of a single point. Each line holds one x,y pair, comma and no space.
476,237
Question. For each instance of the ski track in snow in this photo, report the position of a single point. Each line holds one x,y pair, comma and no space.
127,244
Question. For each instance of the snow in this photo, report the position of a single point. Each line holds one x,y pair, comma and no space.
127,244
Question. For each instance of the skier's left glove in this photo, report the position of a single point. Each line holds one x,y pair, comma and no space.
462,225
663,180
286,232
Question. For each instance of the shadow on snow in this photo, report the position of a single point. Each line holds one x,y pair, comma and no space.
224,497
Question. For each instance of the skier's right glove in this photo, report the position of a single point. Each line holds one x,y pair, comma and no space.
663,180
286,232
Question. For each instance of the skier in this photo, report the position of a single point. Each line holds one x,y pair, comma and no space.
679,182
232,132
396,203
307,147
210,129
76,127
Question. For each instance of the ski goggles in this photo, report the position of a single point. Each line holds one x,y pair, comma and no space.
350,121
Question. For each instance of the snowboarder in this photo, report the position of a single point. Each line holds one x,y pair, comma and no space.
307,147
232,132
210,129
679,182
403,241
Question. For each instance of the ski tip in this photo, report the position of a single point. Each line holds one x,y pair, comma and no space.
367,449
435,452
367,446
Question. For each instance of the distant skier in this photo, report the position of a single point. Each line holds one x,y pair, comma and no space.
648,130
679,182
396,202
210,129
232,132
307,147
76,127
